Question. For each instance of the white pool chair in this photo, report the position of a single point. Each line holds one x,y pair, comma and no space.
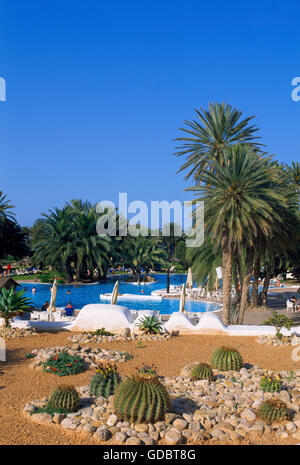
44,316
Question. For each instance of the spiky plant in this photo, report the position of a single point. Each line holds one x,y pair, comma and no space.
105,381
147,370
273,409
13,303
142,399
65,398
226,358
150,325
202,371
269,384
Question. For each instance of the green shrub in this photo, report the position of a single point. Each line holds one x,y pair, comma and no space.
63,364
226,358
150,325
141,399
64,399
269,384
273,409
99,332
279,321
29,355
105,381
202,371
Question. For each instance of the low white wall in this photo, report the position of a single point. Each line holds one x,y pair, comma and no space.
97,316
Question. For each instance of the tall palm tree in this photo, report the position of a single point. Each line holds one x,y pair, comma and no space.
91,250
205,260
143,252
240,200
52,242
205,140
293,173
5,206
169,241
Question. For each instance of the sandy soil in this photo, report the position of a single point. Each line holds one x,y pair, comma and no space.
20,384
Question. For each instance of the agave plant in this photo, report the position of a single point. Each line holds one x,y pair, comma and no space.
150,325
12,304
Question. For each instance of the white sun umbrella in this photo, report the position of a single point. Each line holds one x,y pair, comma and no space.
189,279
182,299
53,298
115,293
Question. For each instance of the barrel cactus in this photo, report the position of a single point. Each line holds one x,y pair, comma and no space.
273,409
141,399
226,358
202,371
269,384
65,398
105,381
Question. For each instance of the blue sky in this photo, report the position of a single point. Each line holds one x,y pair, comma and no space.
97,91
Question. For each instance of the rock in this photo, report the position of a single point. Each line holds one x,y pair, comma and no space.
256,430
173,438
225,427
69,423
170,417
112,420
58,418
42,418
180,424
125,332
141,428
218,434
120,437
297,435
29,408
133,441
291,427
149,441
102,433
114,429
88,429
248,415
75,347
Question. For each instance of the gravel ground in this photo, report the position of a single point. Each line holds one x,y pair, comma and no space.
19,384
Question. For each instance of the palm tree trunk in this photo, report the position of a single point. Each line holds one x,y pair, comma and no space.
246,285
78,272
168,280
69,276
254,295
227,255
267,280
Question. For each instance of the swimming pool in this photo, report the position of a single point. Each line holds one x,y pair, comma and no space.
90,294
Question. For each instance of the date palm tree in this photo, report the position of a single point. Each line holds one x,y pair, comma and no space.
52,242
143,252
241,200
293,173
91,250
207,137
4,207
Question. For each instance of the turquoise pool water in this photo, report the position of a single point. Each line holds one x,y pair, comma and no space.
90,294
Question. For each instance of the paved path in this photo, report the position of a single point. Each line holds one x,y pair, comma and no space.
276,301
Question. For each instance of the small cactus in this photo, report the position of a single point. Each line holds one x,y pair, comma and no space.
142,399
65,398
105,381
226,358
273,409
202,371
269,384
